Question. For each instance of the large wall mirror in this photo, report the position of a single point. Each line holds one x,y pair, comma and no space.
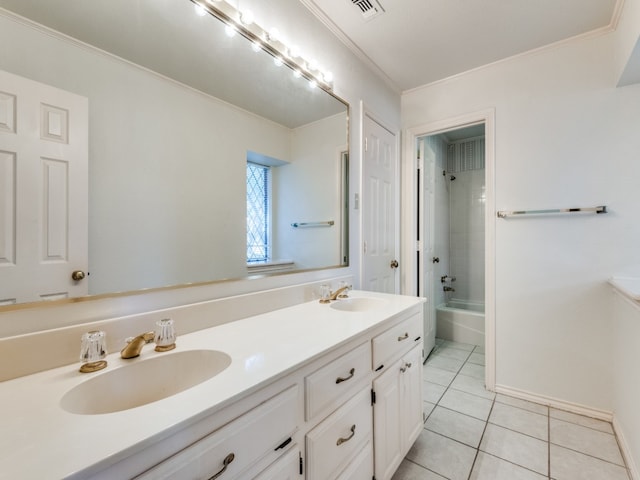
176,110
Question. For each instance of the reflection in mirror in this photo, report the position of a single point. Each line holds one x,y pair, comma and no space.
175,109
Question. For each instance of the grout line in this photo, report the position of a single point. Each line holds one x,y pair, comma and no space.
484,430
589,455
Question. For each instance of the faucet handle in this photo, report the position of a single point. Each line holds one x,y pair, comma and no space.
165,335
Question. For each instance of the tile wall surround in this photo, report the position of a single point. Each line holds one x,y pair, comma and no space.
465,161
459,215
42,350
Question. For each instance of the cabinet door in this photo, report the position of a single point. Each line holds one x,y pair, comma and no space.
411,397
387,429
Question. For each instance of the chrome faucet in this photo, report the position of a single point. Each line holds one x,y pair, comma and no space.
447,288
134,345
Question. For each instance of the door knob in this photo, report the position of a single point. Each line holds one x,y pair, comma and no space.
435,259
394,264
77,275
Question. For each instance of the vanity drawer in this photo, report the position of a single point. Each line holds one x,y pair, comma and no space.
332,384
336,441
389,345
253,436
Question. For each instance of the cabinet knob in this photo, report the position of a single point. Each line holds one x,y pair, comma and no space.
225,463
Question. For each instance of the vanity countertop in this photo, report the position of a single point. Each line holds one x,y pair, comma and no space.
41,440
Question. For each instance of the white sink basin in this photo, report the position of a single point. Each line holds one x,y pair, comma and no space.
144,381
358,304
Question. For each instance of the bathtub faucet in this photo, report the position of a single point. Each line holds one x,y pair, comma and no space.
447,288
447,278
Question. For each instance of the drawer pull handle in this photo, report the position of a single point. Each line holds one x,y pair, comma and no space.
225,463
346,439
344,379
403,369
408,365
404,337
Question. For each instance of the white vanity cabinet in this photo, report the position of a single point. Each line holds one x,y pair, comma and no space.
295,403
263,433
397,408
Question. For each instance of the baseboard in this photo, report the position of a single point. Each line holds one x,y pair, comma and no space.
555,403
624,448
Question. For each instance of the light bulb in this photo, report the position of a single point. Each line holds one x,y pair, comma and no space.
246,17
274,34
200,11
294,51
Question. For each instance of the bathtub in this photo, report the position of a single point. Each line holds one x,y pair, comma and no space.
460,321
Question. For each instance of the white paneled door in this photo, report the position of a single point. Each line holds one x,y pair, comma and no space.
426,162
379,209
43,191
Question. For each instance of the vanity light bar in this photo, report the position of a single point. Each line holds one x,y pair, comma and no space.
270,42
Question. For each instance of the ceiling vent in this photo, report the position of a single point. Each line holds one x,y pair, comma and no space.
368,8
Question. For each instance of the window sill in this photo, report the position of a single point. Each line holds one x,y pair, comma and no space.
270,267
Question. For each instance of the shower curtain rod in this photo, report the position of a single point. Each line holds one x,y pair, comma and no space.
505,214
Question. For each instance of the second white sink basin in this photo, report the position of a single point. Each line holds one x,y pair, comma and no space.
144,381
358,304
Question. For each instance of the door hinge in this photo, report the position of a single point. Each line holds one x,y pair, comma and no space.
373,397
301,464
364,247
419,245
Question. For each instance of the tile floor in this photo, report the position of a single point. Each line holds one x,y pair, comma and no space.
473,434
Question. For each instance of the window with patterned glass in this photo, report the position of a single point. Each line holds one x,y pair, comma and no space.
258,218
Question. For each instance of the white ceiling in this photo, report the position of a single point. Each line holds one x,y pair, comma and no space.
416,42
